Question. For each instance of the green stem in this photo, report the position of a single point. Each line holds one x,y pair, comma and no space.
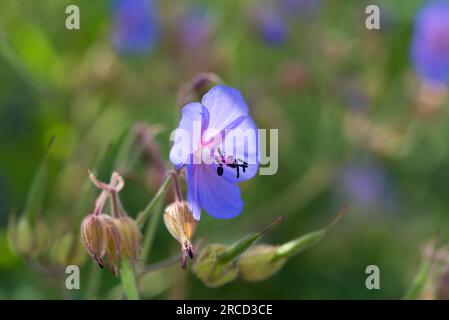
159,265
128,280
94,282
150,233
149,208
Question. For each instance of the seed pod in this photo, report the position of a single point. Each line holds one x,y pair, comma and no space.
180,223
94,234
113,247
130,236
257,263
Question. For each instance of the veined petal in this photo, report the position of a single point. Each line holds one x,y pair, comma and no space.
192,175
187,137
242,144
226,107
219,197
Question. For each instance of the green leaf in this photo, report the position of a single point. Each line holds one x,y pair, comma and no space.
419,281
424,272
36,192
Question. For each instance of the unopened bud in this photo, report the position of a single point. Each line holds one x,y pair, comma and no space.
67,250
180,223
257,263
20,236
212,273
27,239
42,237
130,236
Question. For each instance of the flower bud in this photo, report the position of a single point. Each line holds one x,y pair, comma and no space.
42,237
262,261
20,236
257,263
27,239
94,234
207,269
130,236
180,223
67,250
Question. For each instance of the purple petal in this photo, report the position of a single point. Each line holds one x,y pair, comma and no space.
430,45
219,197
192,190
226,107
188,134
241,143
136,27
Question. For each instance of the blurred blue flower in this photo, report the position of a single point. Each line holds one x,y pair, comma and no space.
271,25
303,9
135,29
430,44
195,28
364,184
355,96
214,141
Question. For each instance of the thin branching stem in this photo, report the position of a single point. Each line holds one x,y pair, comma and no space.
143,215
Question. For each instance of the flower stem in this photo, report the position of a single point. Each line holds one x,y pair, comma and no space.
150,233
94,282
177,187
128,279
149,208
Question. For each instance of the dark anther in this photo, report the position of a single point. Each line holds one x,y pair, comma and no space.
220,170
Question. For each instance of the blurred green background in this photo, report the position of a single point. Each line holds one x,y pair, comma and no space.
353,129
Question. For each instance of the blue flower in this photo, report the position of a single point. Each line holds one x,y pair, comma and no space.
365,184
271,26
217,142
135,29
300,9
430,44
195,28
